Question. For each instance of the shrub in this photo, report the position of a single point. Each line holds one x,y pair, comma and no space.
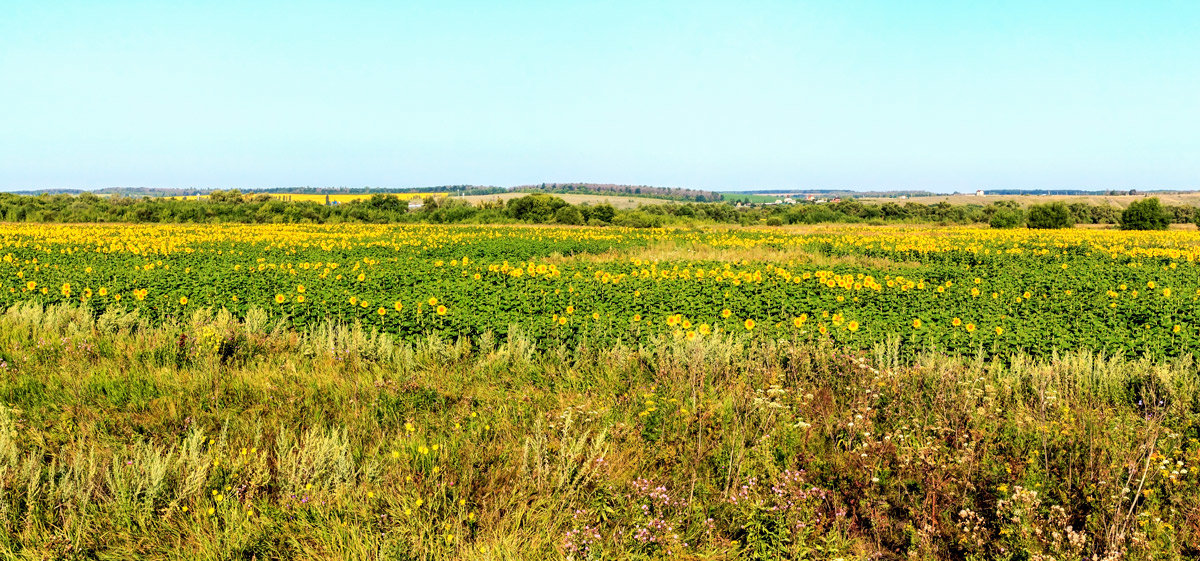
1146,214
1005,218
1050,216
569,215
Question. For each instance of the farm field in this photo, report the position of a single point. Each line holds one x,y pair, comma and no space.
1122,201
338,198
183,391
954,289
575,199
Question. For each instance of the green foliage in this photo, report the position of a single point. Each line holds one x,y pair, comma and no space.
568,215
1146,214
1050,216
1006,218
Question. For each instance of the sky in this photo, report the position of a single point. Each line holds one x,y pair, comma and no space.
943,96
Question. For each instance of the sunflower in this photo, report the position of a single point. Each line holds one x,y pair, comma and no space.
726,313
749,324
852,326
279,298
956,322
441,310
916,323
183,300
398,306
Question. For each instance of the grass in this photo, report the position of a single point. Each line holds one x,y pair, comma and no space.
220,438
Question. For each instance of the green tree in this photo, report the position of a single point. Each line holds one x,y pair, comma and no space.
1146,214
1050,216
1005,217
568,215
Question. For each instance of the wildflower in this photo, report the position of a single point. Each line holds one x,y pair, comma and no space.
279,298
749,324
441,310
852,326
183,300
956,322
916,323
726,313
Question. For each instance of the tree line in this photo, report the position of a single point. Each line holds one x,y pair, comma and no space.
542,208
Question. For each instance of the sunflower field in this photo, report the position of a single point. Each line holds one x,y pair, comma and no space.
953,289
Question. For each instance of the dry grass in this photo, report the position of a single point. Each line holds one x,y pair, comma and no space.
615,201
120,440
1182,198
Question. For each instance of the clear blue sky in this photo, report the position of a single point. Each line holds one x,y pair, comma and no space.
734,95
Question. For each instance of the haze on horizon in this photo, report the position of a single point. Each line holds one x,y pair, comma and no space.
866,95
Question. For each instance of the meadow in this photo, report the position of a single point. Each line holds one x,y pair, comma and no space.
501,392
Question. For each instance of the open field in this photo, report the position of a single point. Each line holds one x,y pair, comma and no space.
615,201
1126,293
322,199
1183,198
214,392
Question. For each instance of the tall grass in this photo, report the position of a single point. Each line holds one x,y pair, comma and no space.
219,438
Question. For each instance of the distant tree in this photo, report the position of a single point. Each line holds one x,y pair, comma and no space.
568,215
1005,217
1050,216
1146,214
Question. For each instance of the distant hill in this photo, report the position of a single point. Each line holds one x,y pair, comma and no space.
646,191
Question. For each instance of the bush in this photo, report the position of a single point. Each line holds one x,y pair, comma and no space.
1146,214
1005,218
1050,216
569,215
